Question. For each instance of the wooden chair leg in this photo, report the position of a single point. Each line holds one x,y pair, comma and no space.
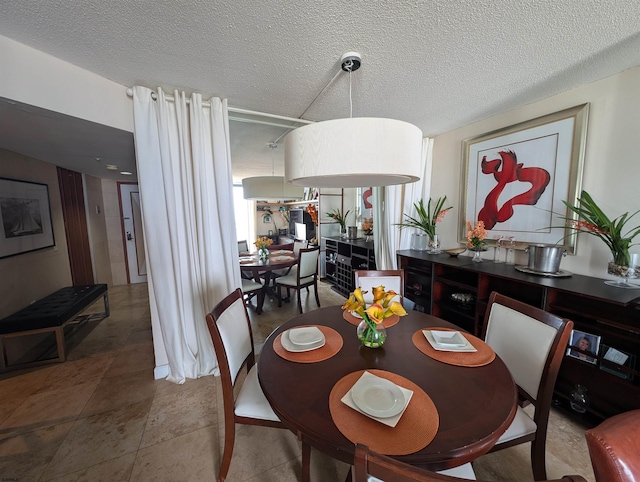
300,300
315,287
229,439
306,462
279,293
538,459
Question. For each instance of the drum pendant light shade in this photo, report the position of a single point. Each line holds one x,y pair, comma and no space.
353,152
270,188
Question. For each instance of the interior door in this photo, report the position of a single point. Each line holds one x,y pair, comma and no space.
75,225
133,238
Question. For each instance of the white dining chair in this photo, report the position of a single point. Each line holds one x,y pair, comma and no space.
243,247
532,343
230,331
306,275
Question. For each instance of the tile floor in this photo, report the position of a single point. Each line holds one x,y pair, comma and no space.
101,416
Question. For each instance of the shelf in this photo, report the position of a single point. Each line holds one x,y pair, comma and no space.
595,308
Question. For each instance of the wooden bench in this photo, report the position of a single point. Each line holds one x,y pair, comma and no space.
51,315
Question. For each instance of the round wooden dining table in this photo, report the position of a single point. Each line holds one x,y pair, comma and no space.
277,259
475,405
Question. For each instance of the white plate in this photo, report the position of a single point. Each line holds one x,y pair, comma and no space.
468,347
378,397
356,314
308,335
449,338
288,345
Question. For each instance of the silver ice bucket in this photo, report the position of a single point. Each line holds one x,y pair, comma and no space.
545,258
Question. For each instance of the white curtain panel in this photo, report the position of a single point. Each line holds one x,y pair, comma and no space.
389,205
184,174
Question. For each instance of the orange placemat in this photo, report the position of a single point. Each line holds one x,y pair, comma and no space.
332,345
354,320
415,430
483,356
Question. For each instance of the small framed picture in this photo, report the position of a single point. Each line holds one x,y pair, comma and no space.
617,362
266,218
583,346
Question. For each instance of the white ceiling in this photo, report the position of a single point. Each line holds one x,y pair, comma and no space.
437,64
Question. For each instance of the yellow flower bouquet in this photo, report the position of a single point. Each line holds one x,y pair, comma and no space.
263,242
371,331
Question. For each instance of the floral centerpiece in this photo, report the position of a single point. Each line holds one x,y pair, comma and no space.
371,331
341,218
262,243
592,220
475,239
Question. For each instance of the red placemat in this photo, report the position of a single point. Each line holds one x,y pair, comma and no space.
354,320
415,430
332,345
483,356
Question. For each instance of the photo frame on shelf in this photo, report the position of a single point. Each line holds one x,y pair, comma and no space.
266,218
582,345
617,362
516,178
25,215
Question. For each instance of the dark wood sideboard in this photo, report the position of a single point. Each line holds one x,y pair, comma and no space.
343,257
594,307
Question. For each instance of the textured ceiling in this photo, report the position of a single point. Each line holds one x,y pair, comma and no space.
436,64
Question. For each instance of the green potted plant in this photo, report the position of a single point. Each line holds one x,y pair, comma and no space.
426,221
340,218
592,220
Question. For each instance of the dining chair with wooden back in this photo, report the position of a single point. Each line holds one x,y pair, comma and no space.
374,467
614,448
243,247
306,275
232,338
283,246
296,247
251,288
532,343
391,279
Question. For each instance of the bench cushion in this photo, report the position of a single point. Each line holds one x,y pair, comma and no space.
53,310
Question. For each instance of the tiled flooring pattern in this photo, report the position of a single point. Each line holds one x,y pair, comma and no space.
101,416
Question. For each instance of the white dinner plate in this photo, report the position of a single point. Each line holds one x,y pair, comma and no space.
468,347
378,397
357,315
449,338
288,345
307,335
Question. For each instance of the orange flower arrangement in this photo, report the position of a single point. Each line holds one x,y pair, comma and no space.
367,225
476,235
313,212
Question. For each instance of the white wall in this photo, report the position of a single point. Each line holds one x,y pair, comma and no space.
611,168
33,77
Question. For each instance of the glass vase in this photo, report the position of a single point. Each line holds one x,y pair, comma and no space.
263,253
434,244
624,273
477,254
370,334
579,400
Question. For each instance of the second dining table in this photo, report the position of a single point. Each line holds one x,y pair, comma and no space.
457,412
258,267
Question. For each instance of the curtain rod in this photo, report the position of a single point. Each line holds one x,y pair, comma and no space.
237,110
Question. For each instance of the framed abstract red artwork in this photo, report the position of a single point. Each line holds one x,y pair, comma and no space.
516,178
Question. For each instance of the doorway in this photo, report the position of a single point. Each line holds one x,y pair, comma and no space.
133,238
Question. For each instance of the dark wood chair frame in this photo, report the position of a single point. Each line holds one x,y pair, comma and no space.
542,401
313,282
388,469
228,386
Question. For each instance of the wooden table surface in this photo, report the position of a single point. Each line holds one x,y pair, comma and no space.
475,405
